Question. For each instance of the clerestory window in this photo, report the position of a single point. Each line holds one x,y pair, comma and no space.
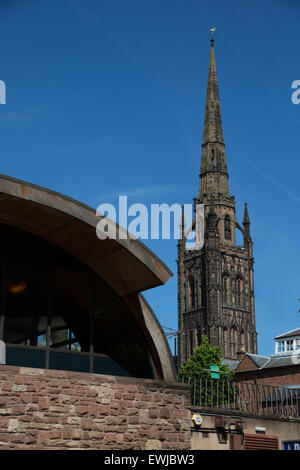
227,227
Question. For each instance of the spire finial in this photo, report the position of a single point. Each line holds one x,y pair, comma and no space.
212,30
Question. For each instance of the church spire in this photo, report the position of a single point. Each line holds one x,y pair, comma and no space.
215,279
213,131
213,174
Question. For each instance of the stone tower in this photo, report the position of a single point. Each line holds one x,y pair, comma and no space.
215,283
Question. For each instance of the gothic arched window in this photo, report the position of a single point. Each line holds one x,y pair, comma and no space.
212,158
214,336
192,292
186,346
233,341
242,340
226,289
227,227
199,336
199,293
239,291
225,336
191,342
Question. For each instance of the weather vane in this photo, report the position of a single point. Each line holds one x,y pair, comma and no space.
212,33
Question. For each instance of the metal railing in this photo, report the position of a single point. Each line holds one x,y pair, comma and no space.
243,396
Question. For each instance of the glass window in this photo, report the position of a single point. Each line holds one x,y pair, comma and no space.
55,312
117,336
2,289
280,346
71,304
104,364
26,293
227,227
68,361
26,357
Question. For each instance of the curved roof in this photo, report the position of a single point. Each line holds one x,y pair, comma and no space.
128,266
159,339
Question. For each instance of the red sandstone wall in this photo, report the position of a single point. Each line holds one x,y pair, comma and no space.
63,410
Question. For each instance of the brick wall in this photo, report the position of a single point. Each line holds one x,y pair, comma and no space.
246,364
52,409
289,375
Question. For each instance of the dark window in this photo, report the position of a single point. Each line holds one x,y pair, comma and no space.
192,292
239,292
71,290
226,289
25,295
57,313
191,342
186,346
199,336
233,341
212,158
117,338
225,336
227,227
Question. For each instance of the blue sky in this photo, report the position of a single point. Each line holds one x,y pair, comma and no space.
106,97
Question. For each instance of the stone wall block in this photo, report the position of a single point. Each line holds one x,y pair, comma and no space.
47,409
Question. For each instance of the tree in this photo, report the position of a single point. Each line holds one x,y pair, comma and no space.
204,389
204,356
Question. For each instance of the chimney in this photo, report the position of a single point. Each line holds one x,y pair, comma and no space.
241,353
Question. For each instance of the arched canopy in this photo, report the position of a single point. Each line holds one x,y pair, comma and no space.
128,266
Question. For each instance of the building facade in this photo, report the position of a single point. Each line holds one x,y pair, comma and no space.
279,369
215,283
288,342
63,290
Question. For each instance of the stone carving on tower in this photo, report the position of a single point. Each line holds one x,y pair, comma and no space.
215,283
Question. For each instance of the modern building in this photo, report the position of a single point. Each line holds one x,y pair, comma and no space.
215,283
86,363
69,300
288,342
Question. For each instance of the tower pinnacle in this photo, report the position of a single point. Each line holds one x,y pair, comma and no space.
246,220
246,224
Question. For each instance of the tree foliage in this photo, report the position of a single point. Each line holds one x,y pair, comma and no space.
204,356
206,391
